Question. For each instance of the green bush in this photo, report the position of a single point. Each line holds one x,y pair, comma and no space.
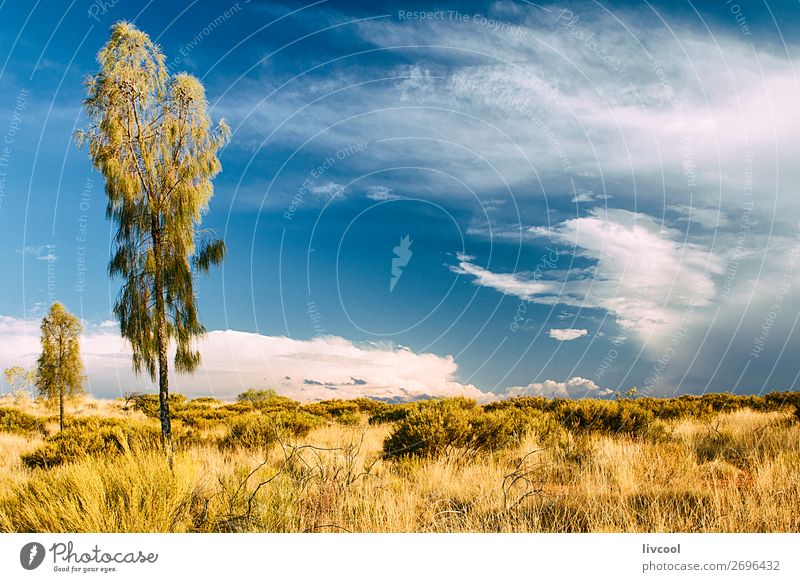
615,417
255,430
266,400
13,420
150,406
779,400
94,437
204,401
685,406
437,427
202,417
347,412
430,430
369,405
391,413
297,423
252,431
238,408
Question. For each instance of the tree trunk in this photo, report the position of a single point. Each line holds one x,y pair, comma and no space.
162,344
61,409
60,383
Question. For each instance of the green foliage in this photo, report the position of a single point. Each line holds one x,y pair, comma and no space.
94,437
14,420
205,401
296,423
256,431
202,417
149,403
437,427
391,413
369,405
151,138
347,412
266,400
238,407
778,400
20,380
59,370
686,406
253,431
617,417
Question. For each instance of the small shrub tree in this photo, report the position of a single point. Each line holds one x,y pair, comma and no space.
20,381
59,373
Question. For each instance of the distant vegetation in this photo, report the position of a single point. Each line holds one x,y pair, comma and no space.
717,462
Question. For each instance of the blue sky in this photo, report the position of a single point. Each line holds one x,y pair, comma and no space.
597,196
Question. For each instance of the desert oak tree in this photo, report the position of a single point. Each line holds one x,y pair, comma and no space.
59,371
152,139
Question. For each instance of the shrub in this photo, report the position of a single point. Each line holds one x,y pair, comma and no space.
616,417
266,400
297,423
202,417
149,403
13,420
522,402
347,412
430,430
254,431
370,406
238,407
778,400
93,437
391,413
204,401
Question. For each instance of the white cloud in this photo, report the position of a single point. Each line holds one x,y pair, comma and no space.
643,273
575,387
40,252
584,196
507,283
328,189
565,335
325,367
708,217
381,194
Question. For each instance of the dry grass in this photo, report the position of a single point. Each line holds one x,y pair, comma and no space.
734,472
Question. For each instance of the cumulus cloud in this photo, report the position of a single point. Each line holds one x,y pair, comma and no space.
320,368
643,273
565,335
575,387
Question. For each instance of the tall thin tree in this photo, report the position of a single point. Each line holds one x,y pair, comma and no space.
59,370
152,139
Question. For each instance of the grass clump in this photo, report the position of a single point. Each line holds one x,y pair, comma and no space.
124,493
93,437
17,421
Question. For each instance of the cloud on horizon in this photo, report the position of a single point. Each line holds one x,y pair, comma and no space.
233,361
575,387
